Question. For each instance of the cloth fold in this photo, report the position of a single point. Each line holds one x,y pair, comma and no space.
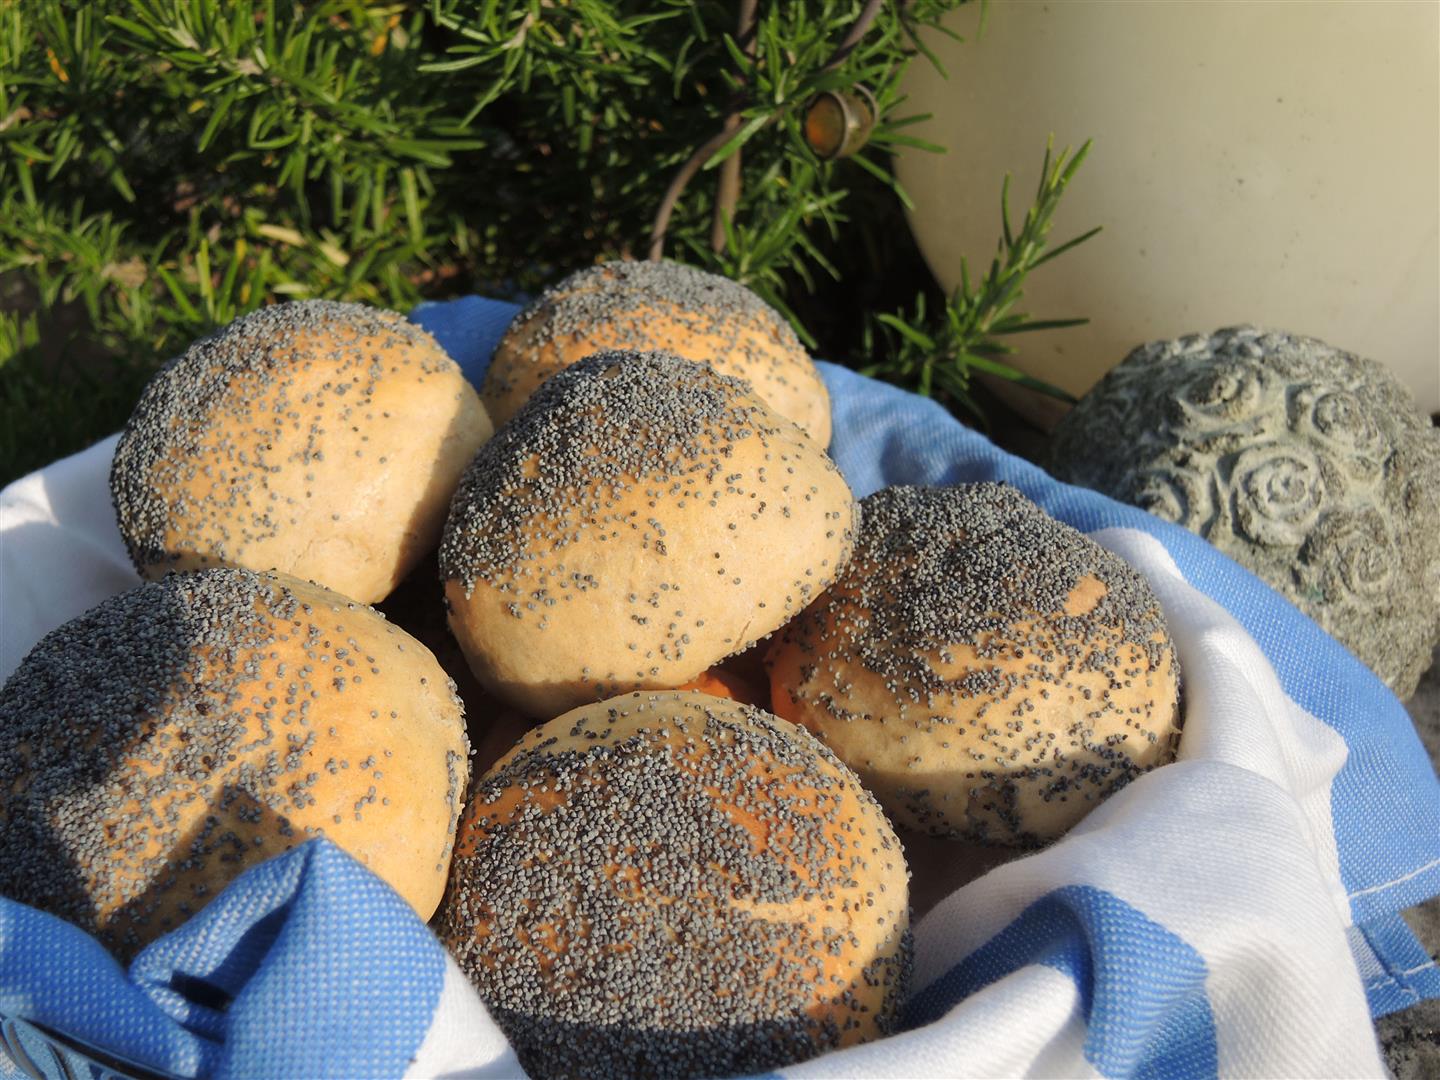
1235,913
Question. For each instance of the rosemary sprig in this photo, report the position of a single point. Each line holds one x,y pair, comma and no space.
939,353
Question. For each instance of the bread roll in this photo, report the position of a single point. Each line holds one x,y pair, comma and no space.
640,519
659,305
320,439
991,673
181,732
669,884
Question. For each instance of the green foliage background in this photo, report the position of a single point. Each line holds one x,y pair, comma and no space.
166,165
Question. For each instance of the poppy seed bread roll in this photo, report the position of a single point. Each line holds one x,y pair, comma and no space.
177,734
990,672
670,884
644,306
319,439
641,518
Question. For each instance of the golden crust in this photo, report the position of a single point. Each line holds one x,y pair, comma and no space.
626,581
612,307
1012,730
324,444
961,765
832,882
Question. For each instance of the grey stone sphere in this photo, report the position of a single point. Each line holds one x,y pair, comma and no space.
1311,466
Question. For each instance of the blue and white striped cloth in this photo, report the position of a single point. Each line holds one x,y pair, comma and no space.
1235,913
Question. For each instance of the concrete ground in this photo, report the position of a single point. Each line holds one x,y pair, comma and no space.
1411,1038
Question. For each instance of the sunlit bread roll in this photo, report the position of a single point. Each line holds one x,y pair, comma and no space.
179,733
641,518
319,439
670,884
991,673
659,305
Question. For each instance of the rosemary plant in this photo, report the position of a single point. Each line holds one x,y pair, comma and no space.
167,165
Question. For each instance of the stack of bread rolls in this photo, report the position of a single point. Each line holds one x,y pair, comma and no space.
650,551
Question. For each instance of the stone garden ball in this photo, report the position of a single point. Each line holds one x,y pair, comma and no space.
1311,466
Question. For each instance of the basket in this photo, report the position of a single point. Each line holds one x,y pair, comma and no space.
1236,912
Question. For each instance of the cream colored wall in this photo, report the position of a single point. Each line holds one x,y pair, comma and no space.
1265,162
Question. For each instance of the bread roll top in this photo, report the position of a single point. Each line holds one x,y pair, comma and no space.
664,305
990,672
317,438
175,735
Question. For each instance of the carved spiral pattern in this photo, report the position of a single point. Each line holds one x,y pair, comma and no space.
1342,418
1176,495
1279,492
1225,392
1356,555
1307,464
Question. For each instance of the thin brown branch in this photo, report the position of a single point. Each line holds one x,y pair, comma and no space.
677,188
854,35
727,187
696,161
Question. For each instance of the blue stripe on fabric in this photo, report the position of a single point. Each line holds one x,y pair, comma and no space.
55,974
468,329
1411,974
307,965
268,980
1141,987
